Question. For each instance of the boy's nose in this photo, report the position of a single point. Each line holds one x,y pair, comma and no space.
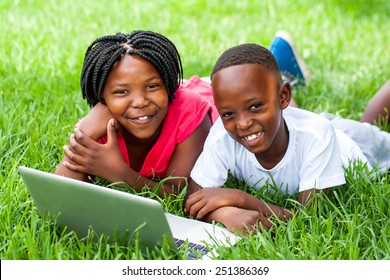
244,123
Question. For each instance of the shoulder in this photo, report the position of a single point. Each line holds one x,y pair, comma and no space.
307,123
192,91
186,112
218,131
186,105
187,102
185,93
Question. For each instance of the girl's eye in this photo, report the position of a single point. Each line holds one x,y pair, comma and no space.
152,86
121,91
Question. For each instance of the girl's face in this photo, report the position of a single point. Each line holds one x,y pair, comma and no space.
250,104
136,96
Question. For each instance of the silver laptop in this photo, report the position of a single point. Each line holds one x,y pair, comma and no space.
81,206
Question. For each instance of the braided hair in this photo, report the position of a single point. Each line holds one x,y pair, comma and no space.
248,54
105,51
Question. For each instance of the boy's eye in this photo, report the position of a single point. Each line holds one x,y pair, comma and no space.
254,107
227,115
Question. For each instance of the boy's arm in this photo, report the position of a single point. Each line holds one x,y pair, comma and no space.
200,202
304,197
242,220
238,219
234,218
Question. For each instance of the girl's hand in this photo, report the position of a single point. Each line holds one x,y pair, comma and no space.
90,157
94,124
206,200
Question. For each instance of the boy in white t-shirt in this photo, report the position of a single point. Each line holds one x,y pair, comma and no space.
259,138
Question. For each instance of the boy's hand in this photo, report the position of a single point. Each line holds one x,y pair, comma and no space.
242,220
206,200
90,157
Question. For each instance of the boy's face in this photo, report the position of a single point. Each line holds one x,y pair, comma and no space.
136,96
250,102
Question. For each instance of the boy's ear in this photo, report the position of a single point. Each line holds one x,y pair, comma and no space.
285,95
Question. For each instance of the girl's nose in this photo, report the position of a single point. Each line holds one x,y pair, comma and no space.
139,99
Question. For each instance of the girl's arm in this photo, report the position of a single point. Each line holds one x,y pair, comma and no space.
106,161
94,125
186,154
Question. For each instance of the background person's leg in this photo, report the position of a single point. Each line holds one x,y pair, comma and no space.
378,108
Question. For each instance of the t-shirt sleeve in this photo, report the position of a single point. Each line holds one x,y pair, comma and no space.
321,165
194,100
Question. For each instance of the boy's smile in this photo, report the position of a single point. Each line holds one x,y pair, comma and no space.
250,102
136,95
253,139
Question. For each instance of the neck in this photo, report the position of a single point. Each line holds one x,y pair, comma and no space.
138,149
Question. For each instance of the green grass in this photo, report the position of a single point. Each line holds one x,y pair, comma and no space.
345,44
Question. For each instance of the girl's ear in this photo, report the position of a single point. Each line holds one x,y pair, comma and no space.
285,95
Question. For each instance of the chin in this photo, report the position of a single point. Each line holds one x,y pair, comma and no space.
144,135
255,149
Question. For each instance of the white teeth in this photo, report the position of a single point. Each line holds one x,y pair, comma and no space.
252,137
143,118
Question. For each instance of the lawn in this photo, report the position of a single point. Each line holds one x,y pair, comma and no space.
42,48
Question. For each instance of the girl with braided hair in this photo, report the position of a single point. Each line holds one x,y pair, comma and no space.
145,124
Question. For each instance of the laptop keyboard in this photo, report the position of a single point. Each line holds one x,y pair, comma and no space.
193,249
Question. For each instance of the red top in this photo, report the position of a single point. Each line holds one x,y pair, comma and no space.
193,100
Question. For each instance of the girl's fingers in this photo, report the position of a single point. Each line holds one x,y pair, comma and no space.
83,139
75,159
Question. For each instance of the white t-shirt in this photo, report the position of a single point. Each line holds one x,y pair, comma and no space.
314,158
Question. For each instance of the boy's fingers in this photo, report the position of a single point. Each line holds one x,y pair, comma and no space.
265,222
190,204
196,207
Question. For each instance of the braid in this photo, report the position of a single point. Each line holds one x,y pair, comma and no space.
106,68
162,53
247,54
105,51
